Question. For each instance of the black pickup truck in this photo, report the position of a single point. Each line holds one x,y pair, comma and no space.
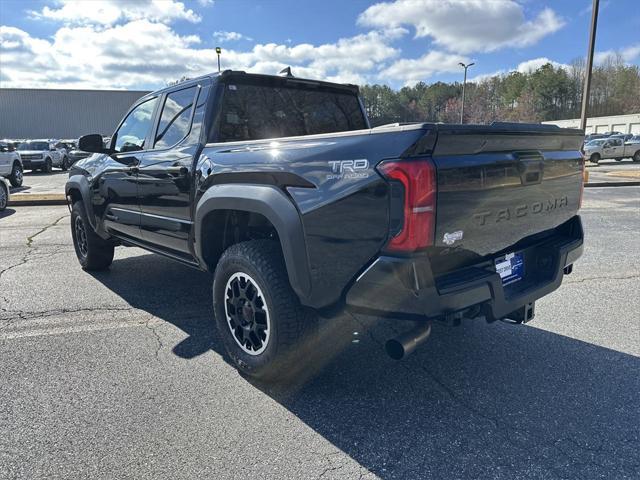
280,188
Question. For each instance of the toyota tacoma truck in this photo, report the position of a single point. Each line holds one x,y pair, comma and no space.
279,187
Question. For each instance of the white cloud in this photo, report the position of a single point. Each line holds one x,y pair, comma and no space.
528,66
223,36
412,71
465,26
535,63
109,12
628,54
90,56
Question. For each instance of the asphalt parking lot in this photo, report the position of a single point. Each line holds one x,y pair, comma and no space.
120,374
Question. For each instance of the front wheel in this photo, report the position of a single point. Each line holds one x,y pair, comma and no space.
4,195
93,252
48,166
16,176
595,158
65,164
636,156
265,329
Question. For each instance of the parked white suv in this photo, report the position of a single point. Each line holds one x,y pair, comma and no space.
10,164
43,155
602,148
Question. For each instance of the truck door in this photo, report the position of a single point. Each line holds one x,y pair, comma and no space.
166,172
117,189
608,150
618,147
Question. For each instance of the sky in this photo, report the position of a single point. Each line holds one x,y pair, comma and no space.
143,44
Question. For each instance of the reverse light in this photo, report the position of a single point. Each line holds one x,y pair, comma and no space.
418,179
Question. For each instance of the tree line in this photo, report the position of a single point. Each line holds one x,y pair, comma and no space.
548,93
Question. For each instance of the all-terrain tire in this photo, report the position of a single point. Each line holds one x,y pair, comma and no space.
291,326
4,196
16,177
48,166
93,252
595,158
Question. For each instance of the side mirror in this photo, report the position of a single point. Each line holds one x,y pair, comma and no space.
91,143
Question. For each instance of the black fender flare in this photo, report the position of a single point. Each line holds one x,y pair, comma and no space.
81,184
273,204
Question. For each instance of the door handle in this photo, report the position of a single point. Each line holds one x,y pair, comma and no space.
133,170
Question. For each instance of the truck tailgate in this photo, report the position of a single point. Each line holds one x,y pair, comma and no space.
500,183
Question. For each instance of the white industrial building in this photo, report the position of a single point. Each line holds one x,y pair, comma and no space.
616,123
49,113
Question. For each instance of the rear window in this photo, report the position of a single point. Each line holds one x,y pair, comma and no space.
252,112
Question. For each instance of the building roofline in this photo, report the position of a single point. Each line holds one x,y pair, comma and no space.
144,92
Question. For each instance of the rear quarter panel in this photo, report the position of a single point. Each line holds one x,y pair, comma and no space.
331,179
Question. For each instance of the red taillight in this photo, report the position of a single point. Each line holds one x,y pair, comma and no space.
418,177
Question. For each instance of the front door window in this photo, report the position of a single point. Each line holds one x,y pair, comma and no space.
133,132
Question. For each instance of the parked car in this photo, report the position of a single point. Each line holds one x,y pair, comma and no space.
593,136
10,164
75,155
611,147
608,134
633,140
624,136
43,155
5,195
280,188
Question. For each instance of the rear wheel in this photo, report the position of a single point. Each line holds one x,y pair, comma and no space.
595,158
264,327
636,156
16,176
93,252
4,195
65,163
48,166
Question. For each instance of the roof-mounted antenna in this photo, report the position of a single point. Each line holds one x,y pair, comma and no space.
285,72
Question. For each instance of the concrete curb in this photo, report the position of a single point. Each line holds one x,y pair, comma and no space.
35,199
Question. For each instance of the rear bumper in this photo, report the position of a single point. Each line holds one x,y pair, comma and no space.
407,288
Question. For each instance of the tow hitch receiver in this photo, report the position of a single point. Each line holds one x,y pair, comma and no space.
523,314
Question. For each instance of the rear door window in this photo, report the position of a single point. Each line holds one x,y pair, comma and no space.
253,112
175,119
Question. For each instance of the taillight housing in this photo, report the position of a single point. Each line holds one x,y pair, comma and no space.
418,180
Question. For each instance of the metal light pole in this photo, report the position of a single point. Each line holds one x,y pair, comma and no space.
589,66
218,51
464,84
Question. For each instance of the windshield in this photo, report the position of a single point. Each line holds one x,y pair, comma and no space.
595,142
33,146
